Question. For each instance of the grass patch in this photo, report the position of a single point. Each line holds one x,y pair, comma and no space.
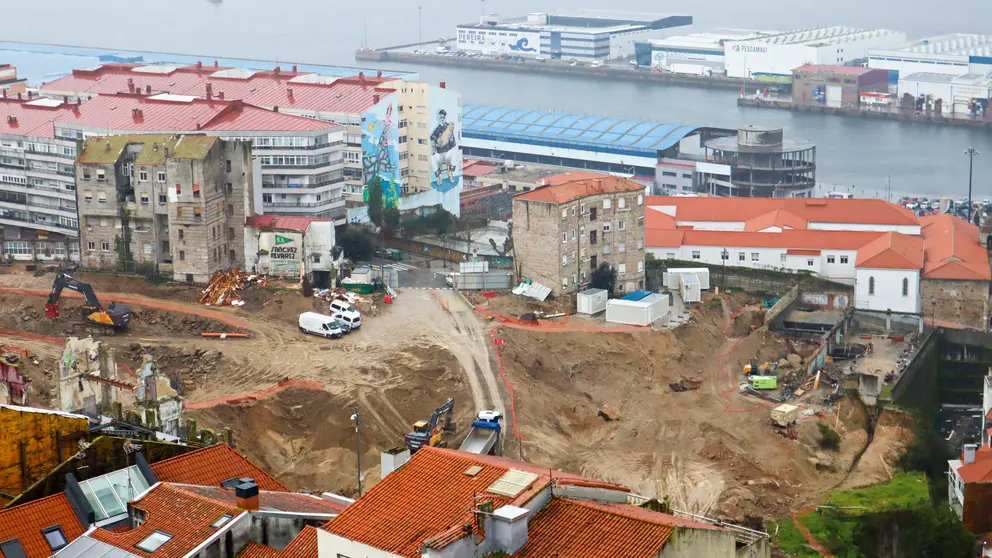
789,539
904,492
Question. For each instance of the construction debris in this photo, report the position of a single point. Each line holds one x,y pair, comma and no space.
686,384
608,414
225,287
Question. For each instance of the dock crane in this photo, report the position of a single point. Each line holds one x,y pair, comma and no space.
115,315
431,432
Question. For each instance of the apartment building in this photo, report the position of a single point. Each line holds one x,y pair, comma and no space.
37,186
174,204
566,229
412,109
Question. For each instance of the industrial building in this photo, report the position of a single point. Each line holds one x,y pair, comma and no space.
759,162
956,54
637,148
948,94
701,54
775,56
583,35
175,205
836,86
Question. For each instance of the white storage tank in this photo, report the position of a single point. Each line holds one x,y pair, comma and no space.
591,301
640,308
671,277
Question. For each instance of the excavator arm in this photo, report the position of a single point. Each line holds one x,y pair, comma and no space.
64,281
117,316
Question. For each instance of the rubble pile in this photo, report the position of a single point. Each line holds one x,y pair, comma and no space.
225,287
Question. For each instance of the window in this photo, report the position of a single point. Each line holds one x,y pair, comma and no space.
782,258
592,237
564,282
196,190
12,549
143,176
695,254
607,203
181,234
606,227
144,198
640,199
402,139
871,285
88,196
182,256
564,238
622,248
230,188
162,199
102,197
582,209
100,175
153,542
161,178
640,243
91,245
573,234
573,211
741,256
830,259
670,174
621,203
754,256
197,213
179,189
670,255
640,266
622,269
687,175
905,287
422,141
592,213
230,210
843,259
221,520
230,235
227,166
564,259
54,537
620,225
86,174
564,213
809,262
105,246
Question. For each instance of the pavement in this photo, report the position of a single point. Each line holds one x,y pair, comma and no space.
417,272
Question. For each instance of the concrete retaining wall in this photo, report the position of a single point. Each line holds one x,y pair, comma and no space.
864,113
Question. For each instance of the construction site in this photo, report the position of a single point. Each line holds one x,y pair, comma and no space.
663,412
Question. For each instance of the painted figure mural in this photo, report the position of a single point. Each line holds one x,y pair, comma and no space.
380,158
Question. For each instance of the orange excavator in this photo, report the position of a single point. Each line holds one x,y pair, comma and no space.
115,315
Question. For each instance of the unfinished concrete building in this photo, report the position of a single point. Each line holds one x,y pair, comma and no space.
172,204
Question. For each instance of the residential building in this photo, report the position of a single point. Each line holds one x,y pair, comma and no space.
288,246
173,204
37,181
565,230
10,83
930,266
345,101
452,504
969,487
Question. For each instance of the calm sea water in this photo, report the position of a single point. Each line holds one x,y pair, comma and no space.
859,154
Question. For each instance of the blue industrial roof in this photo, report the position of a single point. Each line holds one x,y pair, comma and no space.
639,138
637,295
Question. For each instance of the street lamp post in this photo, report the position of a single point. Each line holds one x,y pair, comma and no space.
358,450
970,152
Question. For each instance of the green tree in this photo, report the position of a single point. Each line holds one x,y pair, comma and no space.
375,200
357,245
604,277
390,222
830,439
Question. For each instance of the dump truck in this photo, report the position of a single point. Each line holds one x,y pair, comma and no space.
785,415
483,436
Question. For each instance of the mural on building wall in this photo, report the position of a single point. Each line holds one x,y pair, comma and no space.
445,141
380,152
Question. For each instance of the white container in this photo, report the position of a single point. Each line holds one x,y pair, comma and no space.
641,312
671,277
591,301
473,267
689,287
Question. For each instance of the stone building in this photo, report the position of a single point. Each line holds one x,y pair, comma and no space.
955,279
564,230
175,204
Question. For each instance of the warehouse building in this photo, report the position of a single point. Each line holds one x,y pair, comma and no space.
775,56
700,54
948,94
956,54
836,86
583,35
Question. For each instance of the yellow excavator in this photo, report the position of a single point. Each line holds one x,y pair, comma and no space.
115,315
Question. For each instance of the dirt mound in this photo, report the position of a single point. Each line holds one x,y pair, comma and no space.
187,367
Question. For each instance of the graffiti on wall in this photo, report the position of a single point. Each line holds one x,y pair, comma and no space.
380,151
445,141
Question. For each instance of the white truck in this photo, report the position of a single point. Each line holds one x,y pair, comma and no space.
345,312
483,437
319,324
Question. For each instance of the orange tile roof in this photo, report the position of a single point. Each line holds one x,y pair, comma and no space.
892,251
981,469
803,252
776,218
304,545
562,178
212,465
952,249
574,189
818,210
259,550
280,501
654,219
787,239
25,522
567,527
185,516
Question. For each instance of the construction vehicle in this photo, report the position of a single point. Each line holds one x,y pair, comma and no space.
754,368
116,316
785,415
483,437
431,432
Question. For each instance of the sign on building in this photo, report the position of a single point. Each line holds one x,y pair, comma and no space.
286,252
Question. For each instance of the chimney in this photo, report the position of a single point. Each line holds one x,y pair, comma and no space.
510,529
289,91
375,98
968,456
247,495
378,74
148,90
197,125
12,120
130,85
294,68
393,459
275,108
361,78
216,64
136,113
443,85
199,66
220,95
276,71
210,91
30,94
19,97
483,511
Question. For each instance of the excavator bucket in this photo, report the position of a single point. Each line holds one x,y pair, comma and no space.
52,310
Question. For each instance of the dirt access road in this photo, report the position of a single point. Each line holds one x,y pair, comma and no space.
396,369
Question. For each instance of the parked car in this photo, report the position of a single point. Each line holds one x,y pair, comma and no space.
345,312
319,324
384,254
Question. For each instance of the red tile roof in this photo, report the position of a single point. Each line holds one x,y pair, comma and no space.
22,118
259,550
981,469
817,210
575,188
283,222
475,167
567,527
121,113
892,251
776,218
349,95
834,69
802,252
281,501
787,239
952,250
25,522
212,465
562,178
303,545
185,516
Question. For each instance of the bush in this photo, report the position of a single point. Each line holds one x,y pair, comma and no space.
604,277
830,438
357,246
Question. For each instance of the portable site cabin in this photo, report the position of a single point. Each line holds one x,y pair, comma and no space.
640,308
689,287
591,301
672,277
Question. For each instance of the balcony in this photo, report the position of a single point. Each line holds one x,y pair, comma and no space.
303,205
268,186
21,221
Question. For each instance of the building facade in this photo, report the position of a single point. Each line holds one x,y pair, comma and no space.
759,162
562,232
701,54
836,86
956,54
173,204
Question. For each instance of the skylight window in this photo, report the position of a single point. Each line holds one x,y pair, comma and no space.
154,541
12,549
221,521
109,494
512,483
54,537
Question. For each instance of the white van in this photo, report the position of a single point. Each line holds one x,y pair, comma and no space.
346,313
318,324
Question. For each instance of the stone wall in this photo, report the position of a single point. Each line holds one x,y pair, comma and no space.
959,302
537,242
